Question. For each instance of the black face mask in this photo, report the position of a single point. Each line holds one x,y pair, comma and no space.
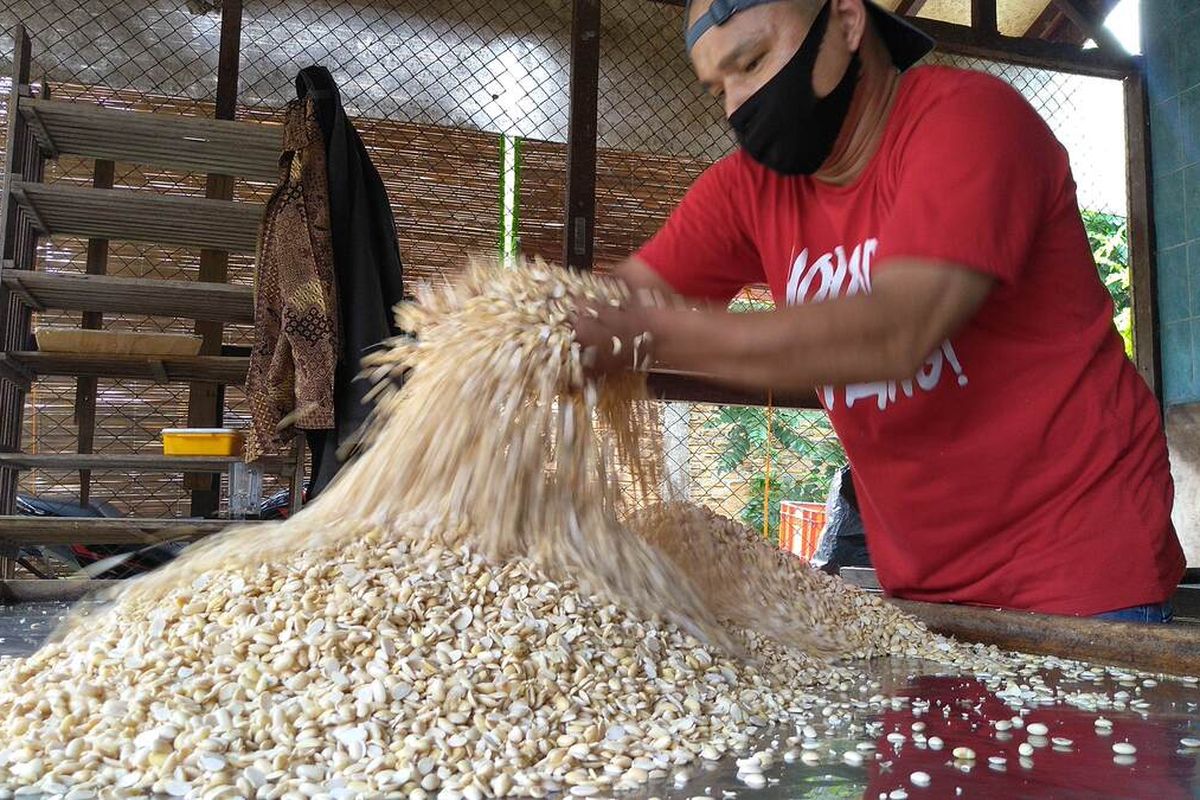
784,126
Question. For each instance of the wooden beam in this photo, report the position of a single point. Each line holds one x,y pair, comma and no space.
18,246
296,479
1054,26
1155,648
103,174
1092,25
1142,251
14,282
49,148
228,57
1050,25
910,8
688,387
31,209
581,135
983,17
1056,56
159,371
205,399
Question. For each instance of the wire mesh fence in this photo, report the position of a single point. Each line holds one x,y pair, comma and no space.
463,107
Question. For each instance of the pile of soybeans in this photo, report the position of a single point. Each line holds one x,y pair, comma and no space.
493,599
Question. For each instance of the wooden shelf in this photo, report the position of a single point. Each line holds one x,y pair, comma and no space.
199,300
689,387
135,462
23,530
178,142
227,370
128,215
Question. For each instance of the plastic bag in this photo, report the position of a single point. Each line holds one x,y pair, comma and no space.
843,542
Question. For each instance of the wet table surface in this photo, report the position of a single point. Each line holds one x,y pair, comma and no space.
958,709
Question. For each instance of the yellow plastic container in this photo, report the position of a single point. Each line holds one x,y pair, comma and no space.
202,442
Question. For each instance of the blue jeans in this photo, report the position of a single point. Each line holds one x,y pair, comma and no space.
1152,614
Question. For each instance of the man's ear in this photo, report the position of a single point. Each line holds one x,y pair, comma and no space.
851,19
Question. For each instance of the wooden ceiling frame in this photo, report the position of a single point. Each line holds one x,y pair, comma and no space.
1055,24
1062,54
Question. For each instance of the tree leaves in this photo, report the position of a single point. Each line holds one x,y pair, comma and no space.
1108,236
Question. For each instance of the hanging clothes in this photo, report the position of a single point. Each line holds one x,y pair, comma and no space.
290,383
367,267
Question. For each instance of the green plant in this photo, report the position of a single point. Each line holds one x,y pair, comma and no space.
1108,235
805,455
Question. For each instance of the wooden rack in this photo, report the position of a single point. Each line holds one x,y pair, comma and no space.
216,225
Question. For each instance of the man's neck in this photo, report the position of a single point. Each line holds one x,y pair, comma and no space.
867,120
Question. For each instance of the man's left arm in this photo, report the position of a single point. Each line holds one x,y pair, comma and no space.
885,335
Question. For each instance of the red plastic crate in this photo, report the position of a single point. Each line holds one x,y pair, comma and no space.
800,526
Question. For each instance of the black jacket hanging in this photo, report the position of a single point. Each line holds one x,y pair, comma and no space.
366,262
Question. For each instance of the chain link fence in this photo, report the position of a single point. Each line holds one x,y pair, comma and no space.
463,107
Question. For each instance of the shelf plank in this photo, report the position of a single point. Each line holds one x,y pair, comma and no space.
227,370
23,530
173,141
143,216
134,462
188,299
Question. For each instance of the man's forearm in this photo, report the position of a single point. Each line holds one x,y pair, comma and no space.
837,342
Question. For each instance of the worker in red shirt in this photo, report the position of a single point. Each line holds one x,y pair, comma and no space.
920,233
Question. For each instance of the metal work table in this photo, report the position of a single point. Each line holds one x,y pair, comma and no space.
1162,769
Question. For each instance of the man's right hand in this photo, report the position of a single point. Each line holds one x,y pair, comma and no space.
613,338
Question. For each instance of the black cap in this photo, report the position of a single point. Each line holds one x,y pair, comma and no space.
907,43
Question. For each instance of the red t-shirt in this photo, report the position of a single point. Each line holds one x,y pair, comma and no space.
1025,465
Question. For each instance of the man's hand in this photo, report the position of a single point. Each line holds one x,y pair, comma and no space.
613,339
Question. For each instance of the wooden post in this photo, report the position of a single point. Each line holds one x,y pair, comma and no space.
1142,252
983,16
296,478
18,247
205,400
85,388
581,135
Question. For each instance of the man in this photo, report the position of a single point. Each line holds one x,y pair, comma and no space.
920,234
